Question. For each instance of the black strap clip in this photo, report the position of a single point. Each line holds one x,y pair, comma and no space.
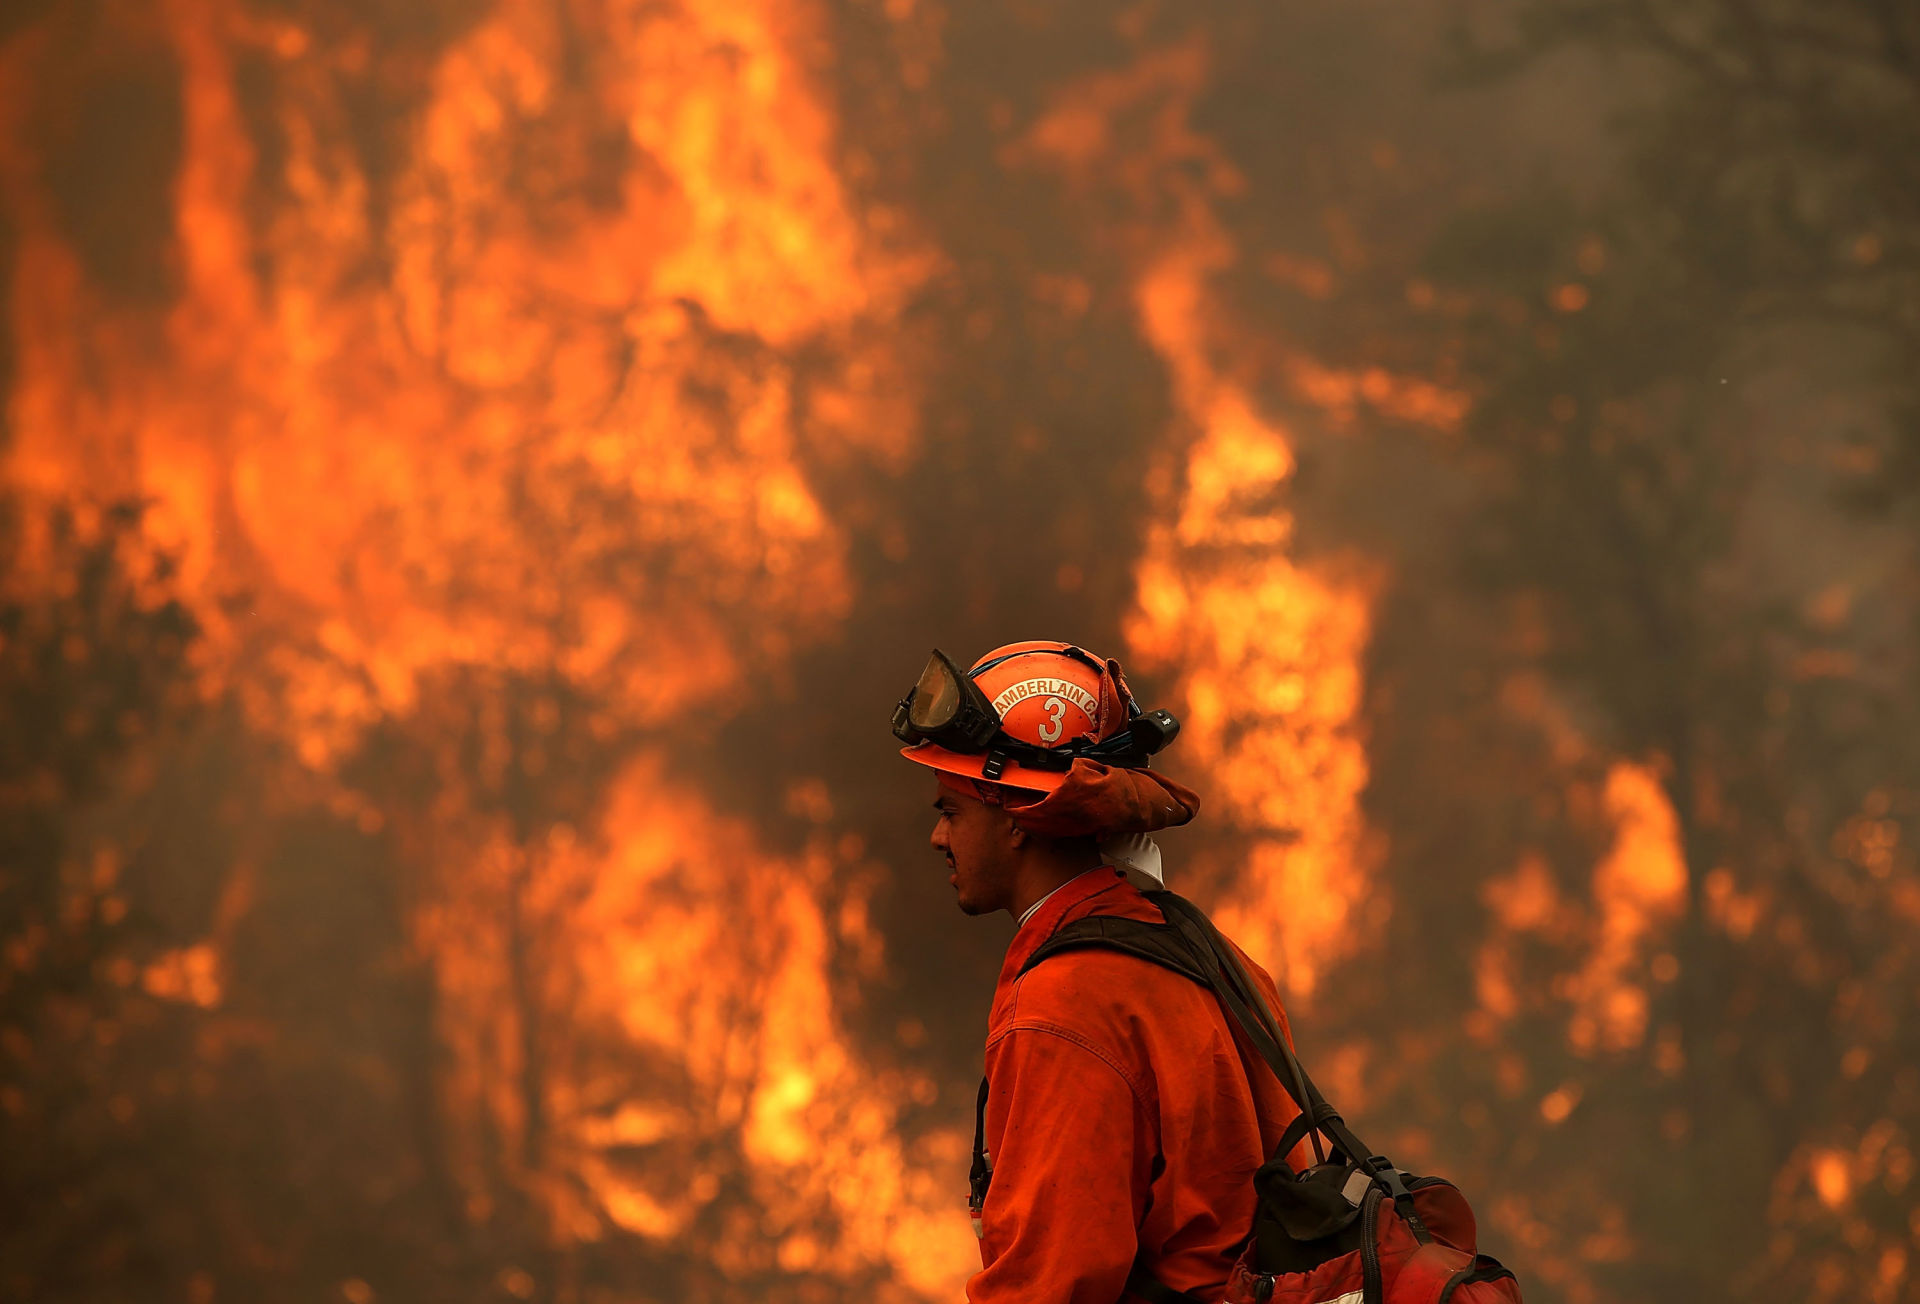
980,1177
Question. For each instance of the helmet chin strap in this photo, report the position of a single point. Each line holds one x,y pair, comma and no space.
1137,856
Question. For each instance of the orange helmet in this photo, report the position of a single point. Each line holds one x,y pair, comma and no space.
1023,713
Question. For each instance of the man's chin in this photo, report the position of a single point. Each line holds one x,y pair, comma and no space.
971,904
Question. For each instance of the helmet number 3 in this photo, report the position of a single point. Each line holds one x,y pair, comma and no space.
1056,707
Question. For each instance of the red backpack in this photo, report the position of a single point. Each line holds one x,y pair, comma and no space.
1350,1229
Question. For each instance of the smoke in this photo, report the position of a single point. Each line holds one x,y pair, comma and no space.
478,476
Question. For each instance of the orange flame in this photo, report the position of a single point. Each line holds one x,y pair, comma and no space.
735,1016
1639,888
1267,651
473,461
539,406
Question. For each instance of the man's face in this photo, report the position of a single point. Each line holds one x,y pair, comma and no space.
976,839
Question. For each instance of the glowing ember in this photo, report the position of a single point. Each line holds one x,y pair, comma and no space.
189,974
1557,1104
1832,1178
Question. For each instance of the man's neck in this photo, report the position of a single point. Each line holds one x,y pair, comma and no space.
1043,878
1020,920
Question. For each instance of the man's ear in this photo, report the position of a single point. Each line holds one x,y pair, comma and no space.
1016,836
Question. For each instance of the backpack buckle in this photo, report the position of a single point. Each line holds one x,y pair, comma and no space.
1375,1169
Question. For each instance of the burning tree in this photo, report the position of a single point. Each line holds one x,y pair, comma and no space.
470,866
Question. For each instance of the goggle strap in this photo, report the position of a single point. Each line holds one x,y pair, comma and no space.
1120,750
1069,650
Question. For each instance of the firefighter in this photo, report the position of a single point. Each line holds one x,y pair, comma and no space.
1123,1114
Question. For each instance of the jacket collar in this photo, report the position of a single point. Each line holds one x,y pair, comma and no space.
1053,911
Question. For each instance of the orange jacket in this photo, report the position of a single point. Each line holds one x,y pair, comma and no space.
1124,1111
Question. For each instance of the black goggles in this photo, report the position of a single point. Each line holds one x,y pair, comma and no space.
945,706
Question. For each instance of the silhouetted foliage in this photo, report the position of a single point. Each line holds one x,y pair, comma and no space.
93,662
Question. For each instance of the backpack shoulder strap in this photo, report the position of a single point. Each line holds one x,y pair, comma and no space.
1158,944
1171,945
1188,948
1248,1006
1189,945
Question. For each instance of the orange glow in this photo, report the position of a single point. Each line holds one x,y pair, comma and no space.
1571,297
1269,652
1557,1104
1266,651
522,417
464,464
739,1021
191,974
1638,889
1342,394
1832,1178
546,402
